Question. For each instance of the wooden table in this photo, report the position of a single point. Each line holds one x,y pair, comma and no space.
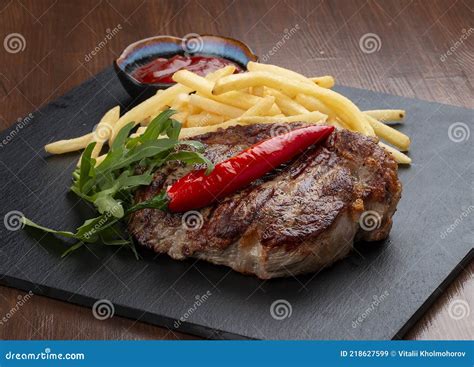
410,58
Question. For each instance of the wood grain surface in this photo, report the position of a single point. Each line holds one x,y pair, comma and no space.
422,50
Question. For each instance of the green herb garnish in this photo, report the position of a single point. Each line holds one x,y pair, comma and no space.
129,164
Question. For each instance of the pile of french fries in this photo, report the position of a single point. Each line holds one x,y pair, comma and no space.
263,94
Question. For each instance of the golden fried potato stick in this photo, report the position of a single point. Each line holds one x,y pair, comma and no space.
204,119
204,87
69,145
398,156
392,136
180,101
261,108
325,81
345,109
154,105
150,107
277,70
386,115
104,129
218,108
312,117
287,105
313,104
258,91
226,70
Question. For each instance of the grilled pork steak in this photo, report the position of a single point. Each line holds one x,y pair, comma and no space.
298,219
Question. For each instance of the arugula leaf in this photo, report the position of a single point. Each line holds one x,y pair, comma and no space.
157,126
145,150
107,204
159,201
32,224
72,248
87,166
195,144
133,181
192,158
129,164
91,229
122,136
173,130
117,150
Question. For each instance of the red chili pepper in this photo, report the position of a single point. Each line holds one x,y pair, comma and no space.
196,190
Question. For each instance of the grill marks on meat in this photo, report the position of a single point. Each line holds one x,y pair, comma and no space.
300,218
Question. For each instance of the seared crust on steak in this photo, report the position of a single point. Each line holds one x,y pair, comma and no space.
298,219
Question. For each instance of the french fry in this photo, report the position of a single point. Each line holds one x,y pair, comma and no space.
98,160
182,112
261,108
100,136
226,70
69,145
343,125
180,117
274,111
204,119
237,99
193,131
287,105
258,91
139,131
194,82
326,81
193,109
313,104
398,156
104,129
198,83
312,117
345,109
264,94
386,115
204,87
146,121
150,107
277,70
160,100
180,100
185,109
392,136
215,107
334,122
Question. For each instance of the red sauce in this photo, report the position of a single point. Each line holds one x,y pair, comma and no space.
161,70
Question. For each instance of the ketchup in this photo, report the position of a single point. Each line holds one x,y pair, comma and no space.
161,70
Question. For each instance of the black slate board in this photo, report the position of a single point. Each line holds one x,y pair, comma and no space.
404,275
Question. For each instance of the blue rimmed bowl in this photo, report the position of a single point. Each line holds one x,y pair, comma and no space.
144,51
